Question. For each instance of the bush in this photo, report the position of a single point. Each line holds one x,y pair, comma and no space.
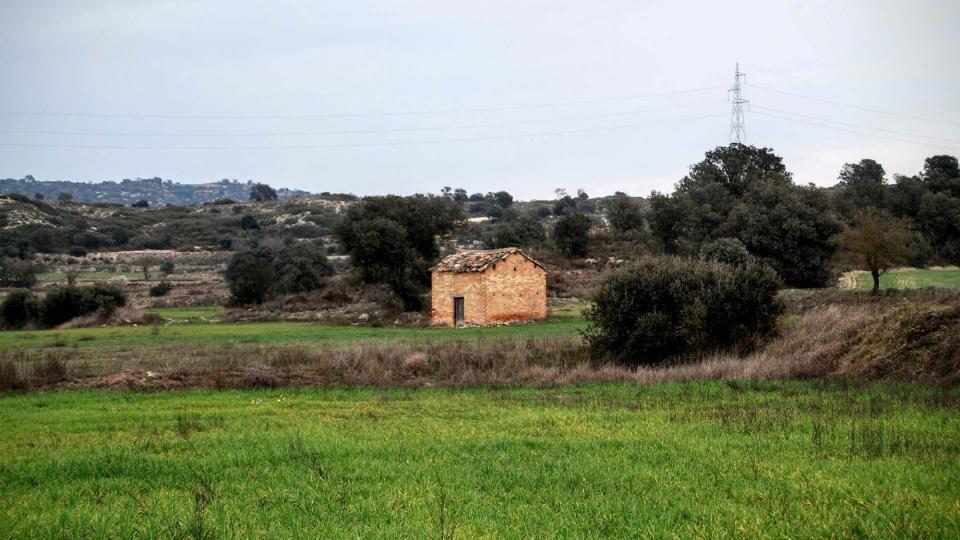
66,303
301,267
160,289
572,234
17,273
668,306
167,267
249,223
250,276
18,309
725,250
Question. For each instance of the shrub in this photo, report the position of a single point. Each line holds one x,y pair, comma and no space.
17,273
77,251
572,234
301,267
249,223
167,267
160,289
65,303
250,276
18,309
667,306
725,250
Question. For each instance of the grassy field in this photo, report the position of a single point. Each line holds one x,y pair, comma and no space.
309,335
679,460
913,278
44,277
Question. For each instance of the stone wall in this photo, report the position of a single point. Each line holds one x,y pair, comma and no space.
514,289
446,285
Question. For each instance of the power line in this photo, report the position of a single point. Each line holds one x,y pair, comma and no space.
352,132
954,148
359,115
738,130
361,145
861,126
860,107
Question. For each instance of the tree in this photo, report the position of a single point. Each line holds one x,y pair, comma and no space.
250,276
262,192
564,205
861,185
301,267
64,197
572,234
503,199
142,203
876,241
392,240
623,213
167,267
745,192
523,232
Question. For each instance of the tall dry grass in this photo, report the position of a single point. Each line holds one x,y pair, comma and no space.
912,337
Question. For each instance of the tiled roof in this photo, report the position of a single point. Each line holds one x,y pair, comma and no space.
478,260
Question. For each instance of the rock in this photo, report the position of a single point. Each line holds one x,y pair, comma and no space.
363,317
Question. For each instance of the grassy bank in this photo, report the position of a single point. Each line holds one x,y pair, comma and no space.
913,278
692,460
311,335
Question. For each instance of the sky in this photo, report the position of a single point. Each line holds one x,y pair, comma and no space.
525,96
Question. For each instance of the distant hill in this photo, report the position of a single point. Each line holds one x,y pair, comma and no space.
156,191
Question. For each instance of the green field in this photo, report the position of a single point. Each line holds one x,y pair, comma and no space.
913,278
310,335
93,276
701,460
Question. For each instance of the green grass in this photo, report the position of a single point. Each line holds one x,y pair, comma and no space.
913,278
62,276
706,460
303,333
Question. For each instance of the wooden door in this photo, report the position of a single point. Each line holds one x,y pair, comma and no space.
458,310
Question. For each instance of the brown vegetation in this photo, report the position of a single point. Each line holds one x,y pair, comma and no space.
849,336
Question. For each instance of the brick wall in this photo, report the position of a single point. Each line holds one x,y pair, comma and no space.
514,289
446,285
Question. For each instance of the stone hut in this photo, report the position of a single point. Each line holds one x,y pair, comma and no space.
487,287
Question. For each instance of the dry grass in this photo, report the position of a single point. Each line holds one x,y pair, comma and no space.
912,337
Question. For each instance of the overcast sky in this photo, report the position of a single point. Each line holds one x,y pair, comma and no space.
526,96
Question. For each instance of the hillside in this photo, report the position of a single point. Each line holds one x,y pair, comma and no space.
155,191
29,225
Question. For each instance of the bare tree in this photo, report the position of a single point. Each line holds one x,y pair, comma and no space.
876,242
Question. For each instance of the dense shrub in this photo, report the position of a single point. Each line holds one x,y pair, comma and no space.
17,273
250,276
65,303
725,250
301,267
18,309
668,306
572,234
160,289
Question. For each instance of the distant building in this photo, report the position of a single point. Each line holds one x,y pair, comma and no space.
487,287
